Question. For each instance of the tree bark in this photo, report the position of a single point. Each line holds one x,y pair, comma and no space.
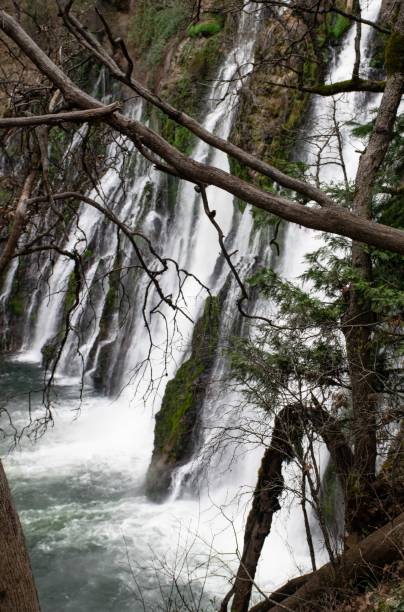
18,222
57,118
276,597
366,560
329,219
17,587
359,320
287,431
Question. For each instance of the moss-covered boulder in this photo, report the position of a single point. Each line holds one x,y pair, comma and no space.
177,422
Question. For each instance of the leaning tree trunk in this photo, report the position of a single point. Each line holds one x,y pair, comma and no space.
287,432
286,437
17,587
359,320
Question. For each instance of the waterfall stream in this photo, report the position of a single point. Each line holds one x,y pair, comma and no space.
96,542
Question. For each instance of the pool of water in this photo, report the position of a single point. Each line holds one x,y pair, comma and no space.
96,543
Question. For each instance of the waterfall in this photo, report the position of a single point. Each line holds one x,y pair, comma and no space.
288,522
90,470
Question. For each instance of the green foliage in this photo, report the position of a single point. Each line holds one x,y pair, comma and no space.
154,24
305,347
302,349
206,28
362,130
337,26
196,63
299,306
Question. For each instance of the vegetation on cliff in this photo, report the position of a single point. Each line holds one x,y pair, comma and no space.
326,368
178,420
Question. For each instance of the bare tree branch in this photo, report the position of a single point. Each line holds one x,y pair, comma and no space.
74,116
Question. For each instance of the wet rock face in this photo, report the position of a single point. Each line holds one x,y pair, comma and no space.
177,423
118,5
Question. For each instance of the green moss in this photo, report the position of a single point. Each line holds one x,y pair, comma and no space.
329,494
394,54
5,197
148,194
154,24
111,301
70,297
49,352
176,419
378,50
337,25
16,305
206,28
330,89
237,169
197,63
201,60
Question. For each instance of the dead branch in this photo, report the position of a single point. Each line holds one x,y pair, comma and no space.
366,559
73,117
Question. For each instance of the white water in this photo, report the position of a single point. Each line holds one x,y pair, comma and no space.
101,458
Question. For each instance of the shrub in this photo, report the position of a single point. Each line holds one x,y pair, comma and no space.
206,28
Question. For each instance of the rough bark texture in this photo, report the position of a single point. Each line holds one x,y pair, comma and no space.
17,587
282,593
287,431
58,118
18,222
359,319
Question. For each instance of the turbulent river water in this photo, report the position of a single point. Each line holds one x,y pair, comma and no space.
96,542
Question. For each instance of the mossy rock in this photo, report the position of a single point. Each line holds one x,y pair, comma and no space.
49,352
177,422
198,62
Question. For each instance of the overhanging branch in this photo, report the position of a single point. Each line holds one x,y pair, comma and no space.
82,116
329,219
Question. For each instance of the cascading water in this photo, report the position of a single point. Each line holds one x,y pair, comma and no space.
93,535
341,110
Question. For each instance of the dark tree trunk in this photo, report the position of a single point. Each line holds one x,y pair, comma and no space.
17,587
287,431
359,320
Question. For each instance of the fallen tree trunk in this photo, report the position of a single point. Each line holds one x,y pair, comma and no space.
17,587
367,559
280,594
